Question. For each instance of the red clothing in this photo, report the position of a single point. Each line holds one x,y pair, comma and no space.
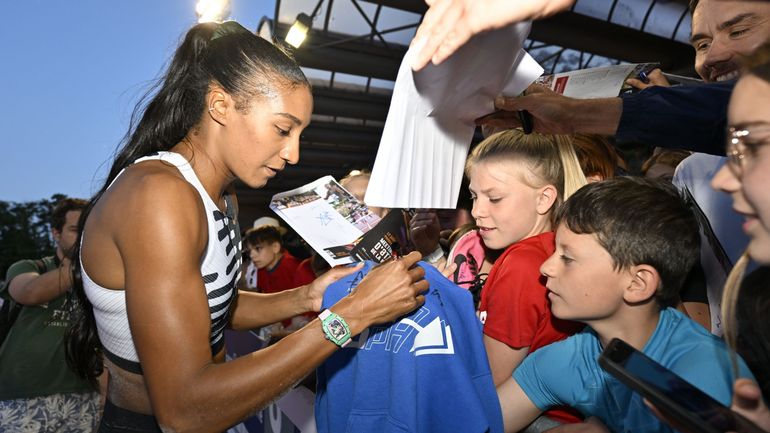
514,303
281,277
304,274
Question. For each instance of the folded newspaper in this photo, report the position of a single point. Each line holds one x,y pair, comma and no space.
339,227
605,81
602,82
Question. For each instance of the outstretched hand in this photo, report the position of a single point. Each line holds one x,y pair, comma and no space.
449,24
551,111
425,231
654,78
554,113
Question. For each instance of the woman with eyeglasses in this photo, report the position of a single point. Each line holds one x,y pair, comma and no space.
746,177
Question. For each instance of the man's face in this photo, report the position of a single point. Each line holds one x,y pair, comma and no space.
66,238
723,32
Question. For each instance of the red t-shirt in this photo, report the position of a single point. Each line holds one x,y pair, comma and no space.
514,303
304,274
281,277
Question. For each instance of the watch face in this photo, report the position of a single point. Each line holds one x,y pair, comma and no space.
337,329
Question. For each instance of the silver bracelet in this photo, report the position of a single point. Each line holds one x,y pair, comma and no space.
435,256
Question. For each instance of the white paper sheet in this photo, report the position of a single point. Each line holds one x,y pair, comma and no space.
430,125
601,82
325,215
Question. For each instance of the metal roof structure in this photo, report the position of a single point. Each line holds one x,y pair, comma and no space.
354,48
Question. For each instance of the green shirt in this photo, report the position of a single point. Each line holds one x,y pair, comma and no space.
32,361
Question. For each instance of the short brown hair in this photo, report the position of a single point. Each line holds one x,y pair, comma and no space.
669,157
59,214
638,221
262,234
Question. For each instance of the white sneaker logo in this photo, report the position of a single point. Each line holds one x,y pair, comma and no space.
433,339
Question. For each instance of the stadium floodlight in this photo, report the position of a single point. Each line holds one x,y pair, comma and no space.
212,10
298,31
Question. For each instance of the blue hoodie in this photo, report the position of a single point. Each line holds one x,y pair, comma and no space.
427,372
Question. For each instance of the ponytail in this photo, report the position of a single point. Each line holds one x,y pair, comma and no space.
574,179
244,65
552,159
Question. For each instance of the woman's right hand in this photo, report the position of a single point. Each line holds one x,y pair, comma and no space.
388,292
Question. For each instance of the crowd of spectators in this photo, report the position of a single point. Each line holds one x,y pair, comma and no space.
563,246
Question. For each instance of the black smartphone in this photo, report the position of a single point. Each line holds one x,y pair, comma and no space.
673,396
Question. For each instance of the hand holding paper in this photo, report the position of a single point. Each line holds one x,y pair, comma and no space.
430,126
449,24
576,101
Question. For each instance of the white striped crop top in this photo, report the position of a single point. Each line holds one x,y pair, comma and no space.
220,266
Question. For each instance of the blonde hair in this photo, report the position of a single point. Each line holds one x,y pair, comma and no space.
730,299
551,159
355,174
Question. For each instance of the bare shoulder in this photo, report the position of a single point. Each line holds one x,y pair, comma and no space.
150,205
156,181
152,200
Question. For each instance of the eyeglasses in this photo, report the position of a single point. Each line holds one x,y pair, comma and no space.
740,147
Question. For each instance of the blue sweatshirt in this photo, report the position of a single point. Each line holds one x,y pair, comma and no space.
427,372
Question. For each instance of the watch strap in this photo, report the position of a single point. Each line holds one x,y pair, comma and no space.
335,328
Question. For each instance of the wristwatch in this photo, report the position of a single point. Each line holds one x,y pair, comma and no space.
335,328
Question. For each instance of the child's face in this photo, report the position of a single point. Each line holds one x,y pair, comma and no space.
504,207
265,254
582,283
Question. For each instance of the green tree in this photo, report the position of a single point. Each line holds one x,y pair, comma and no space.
25,232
